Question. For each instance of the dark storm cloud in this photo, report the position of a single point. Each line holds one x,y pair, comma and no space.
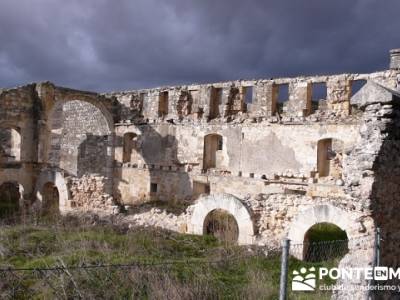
105,45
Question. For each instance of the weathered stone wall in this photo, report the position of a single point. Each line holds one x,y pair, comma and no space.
266,155
278,166
79,138
233,104
374,170
19,110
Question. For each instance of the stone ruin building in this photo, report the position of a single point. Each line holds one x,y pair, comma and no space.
279,155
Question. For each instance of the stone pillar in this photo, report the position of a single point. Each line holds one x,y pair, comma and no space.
395,65
265,102
299,104
395,59
339,94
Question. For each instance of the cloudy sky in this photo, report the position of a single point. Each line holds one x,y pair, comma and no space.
105,45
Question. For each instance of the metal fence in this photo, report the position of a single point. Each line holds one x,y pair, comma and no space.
164,279
155,280
330,254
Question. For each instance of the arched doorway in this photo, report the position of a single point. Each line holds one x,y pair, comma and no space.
53,179
207,207
50,199
212,144
222,225
10,197
299,230
324,241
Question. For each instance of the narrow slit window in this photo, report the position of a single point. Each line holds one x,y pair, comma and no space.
215,102
282,96
153,187
163,104
248,94
220,144
142,96
318,94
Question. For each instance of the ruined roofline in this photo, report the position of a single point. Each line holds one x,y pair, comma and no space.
369,95
251,82
394,92
49,83
394,68
227,83
66,89
17,87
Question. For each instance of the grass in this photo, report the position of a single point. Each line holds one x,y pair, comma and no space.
181,266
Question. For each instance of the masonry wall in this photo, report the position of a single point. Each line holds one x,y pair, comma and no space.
196,99
19,109
258,152
131,147
79,138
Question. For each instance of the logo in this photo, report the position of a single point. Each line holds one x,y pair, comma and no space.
381,273
304,280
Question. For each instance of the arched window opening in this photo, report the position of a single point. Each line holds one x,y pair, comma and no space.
324,242
222,225
51,199
10,141
129,144
212,144
9,199
330,158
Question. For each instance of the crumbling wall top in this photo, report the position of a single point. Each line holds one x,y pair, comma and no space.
395,59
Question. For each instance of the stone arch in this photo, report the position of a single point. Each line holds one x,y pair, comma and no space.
58,181
227,202
212,144
53,96
92,100
80,137
324,213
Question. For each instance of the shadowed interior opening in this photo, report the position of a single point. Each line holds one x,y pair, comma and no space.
222,225
324,241
212,144
9,199
51,199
